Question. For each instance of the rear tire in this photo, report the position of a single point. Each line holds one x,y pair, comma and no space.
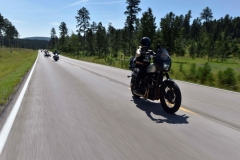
170,97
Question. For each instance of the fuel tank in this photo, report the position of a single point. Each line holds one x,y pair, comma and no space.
151,68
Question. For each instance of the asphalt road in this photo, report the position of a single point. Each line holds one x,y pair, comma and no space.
78,110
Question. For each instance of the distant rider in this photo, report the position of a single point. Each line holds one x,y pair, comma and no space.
55,52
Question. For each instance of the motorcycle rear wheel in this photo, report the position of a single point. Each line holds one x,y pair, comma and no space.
170,97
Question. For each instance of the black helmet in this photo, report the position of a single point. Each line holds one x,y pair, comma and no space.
145,42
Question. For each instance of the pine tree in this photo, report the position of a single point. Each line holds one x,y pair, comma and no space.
63,33
148,25
54,38
207,15
131,12
83,22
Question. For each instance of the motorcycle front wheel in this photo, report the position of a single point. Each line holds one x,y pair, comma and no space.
170,97
131,86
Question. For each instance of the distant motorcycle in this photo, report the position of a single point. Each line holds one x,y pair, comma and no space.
46,54
156,83
56,57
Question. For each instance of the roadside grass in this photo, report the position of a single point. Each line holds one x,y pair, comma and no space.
216,66
180,69
14,65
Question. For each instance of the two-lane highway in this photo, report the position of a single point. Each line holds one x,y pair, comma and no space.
79,110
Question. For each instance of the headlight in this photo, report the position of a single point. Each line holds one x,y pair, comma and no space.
166,66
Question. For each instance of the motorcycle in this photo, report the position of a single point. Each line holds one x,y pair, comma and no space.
46,54
156,84
56,57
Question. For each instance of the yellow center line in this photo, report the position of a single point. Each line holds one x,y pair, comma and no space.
187,110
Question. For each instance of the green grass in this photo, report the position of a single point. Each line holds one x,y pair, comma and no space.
114,62
13,67
216,66
175,73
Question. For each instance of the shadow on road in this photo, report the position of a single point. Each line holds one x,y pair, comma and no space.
156,109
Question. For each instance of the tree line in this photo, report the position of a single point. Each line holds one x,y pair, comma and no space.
204,37
9,37
8,32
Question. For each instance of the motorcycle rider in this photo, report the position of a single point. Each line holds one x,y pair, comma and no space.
46,52
55,52
142,60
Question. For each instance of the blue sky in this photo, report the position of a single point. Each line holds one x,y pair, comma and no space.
37,17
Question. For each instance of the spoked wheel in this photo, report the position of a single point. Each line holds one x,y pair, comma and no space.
131,86
170,97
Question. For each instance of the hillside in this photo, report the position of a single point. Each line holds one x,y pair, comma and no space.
38,38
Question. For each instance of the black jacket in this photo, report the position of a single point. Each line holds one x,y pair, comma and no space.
143,56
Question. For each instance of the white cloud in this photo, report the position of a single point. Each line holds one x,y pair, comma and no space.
77,3
107,2
74,4
84,1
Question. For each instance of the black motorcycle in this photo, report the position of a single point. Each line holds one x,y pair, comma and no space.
56,57
156,84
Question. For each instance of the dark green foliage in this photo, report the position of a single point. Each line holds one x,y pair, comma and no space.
102,42
8,33
114,40
63,33
204,73
168,30
191,50
83,23
181,67
233,48
208,45
186,25
238,54
73,43
124,41
192,73
198,49
131,13
238,77
32,43
148,25
195,29
54,39
227,78
38,38
179,47
110,61
82,20
207,15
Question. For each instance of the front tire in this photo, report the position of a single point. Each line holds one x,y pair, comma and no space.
170,97
131,86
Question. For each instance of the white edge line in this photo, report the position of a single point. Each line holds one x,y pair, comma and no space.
8,124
